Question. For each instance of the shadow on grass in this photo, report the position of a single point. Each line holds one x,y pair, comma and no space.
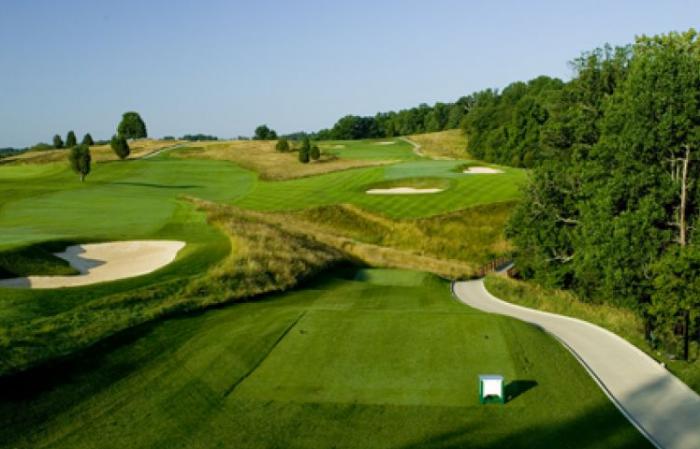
518,387
599,428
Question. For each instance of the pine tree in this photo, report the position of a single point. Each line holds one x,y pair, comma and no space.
71,140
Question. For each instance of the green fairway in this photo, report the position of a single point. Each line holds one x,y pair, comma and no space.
120,200
351,186
369,358
135,199
46,205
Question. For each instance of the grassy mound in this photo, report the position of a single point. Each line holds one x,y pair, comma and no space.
361,359
35,260
261,157
264,258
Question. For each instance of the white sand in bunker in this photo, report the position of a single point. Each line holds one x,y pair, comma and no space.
103,262
482,171
385,143
402,191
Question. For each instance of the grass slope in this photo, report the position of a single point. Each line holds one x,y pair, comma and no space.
139,148
370,358
45,204
450,144
262,157
351,186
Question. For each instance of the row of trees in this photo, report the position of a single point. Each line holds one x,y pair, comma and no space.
71,140
508,127
420,119
307,151
263,132
130,127
613,208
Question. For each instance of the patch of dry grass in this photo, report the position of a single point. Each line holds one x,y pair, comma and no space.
99,153
452,246
450,144
260,156
473,236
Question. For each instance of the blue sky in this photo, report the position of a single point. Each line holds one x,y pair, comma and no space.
223,67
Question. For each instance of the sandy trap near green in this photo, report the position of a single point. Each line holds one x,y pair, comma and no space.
402,191
103,262
482,171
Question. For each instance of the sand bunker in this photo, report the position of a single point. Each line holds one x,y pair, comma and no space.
384,143
402,191
482,171
103,262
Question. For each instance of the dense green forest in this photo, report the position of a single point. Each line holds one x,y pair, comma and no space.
420,119
612,207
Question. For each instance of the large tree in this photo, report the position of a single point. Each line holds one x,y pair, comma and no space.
132,126
120,146
79,158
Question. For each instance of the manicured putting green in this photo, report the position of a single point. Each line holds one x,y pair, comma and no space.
369,358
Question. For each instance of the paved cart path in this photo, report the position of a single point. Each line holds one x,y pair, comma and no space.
662,407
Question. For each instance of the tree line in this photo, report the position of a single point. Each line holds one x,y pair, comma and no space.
420,119
131,126
612,209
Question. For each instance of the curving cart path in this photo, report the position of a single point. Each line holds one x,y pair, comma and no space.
662,407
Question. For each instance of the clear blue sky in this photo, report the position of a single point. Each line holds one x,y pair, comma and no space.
223,67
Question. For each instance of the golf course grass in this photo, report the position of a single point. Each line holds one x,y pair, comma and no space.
215,350
360,358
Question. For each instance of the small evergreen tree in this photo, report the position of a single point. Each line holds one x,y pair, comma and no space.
120,146
303,155
79,158
57,142
71,140
282,145
87,140
315,153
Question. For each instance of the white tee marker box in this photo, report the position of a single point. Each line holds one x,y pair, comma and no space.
491,389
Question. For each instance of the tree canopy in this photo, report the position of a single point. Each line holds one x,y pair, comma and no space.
87,140
282,145
315,153
71,140
305,151
263,132
420,119
132,126
57,142
79,158
614,209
